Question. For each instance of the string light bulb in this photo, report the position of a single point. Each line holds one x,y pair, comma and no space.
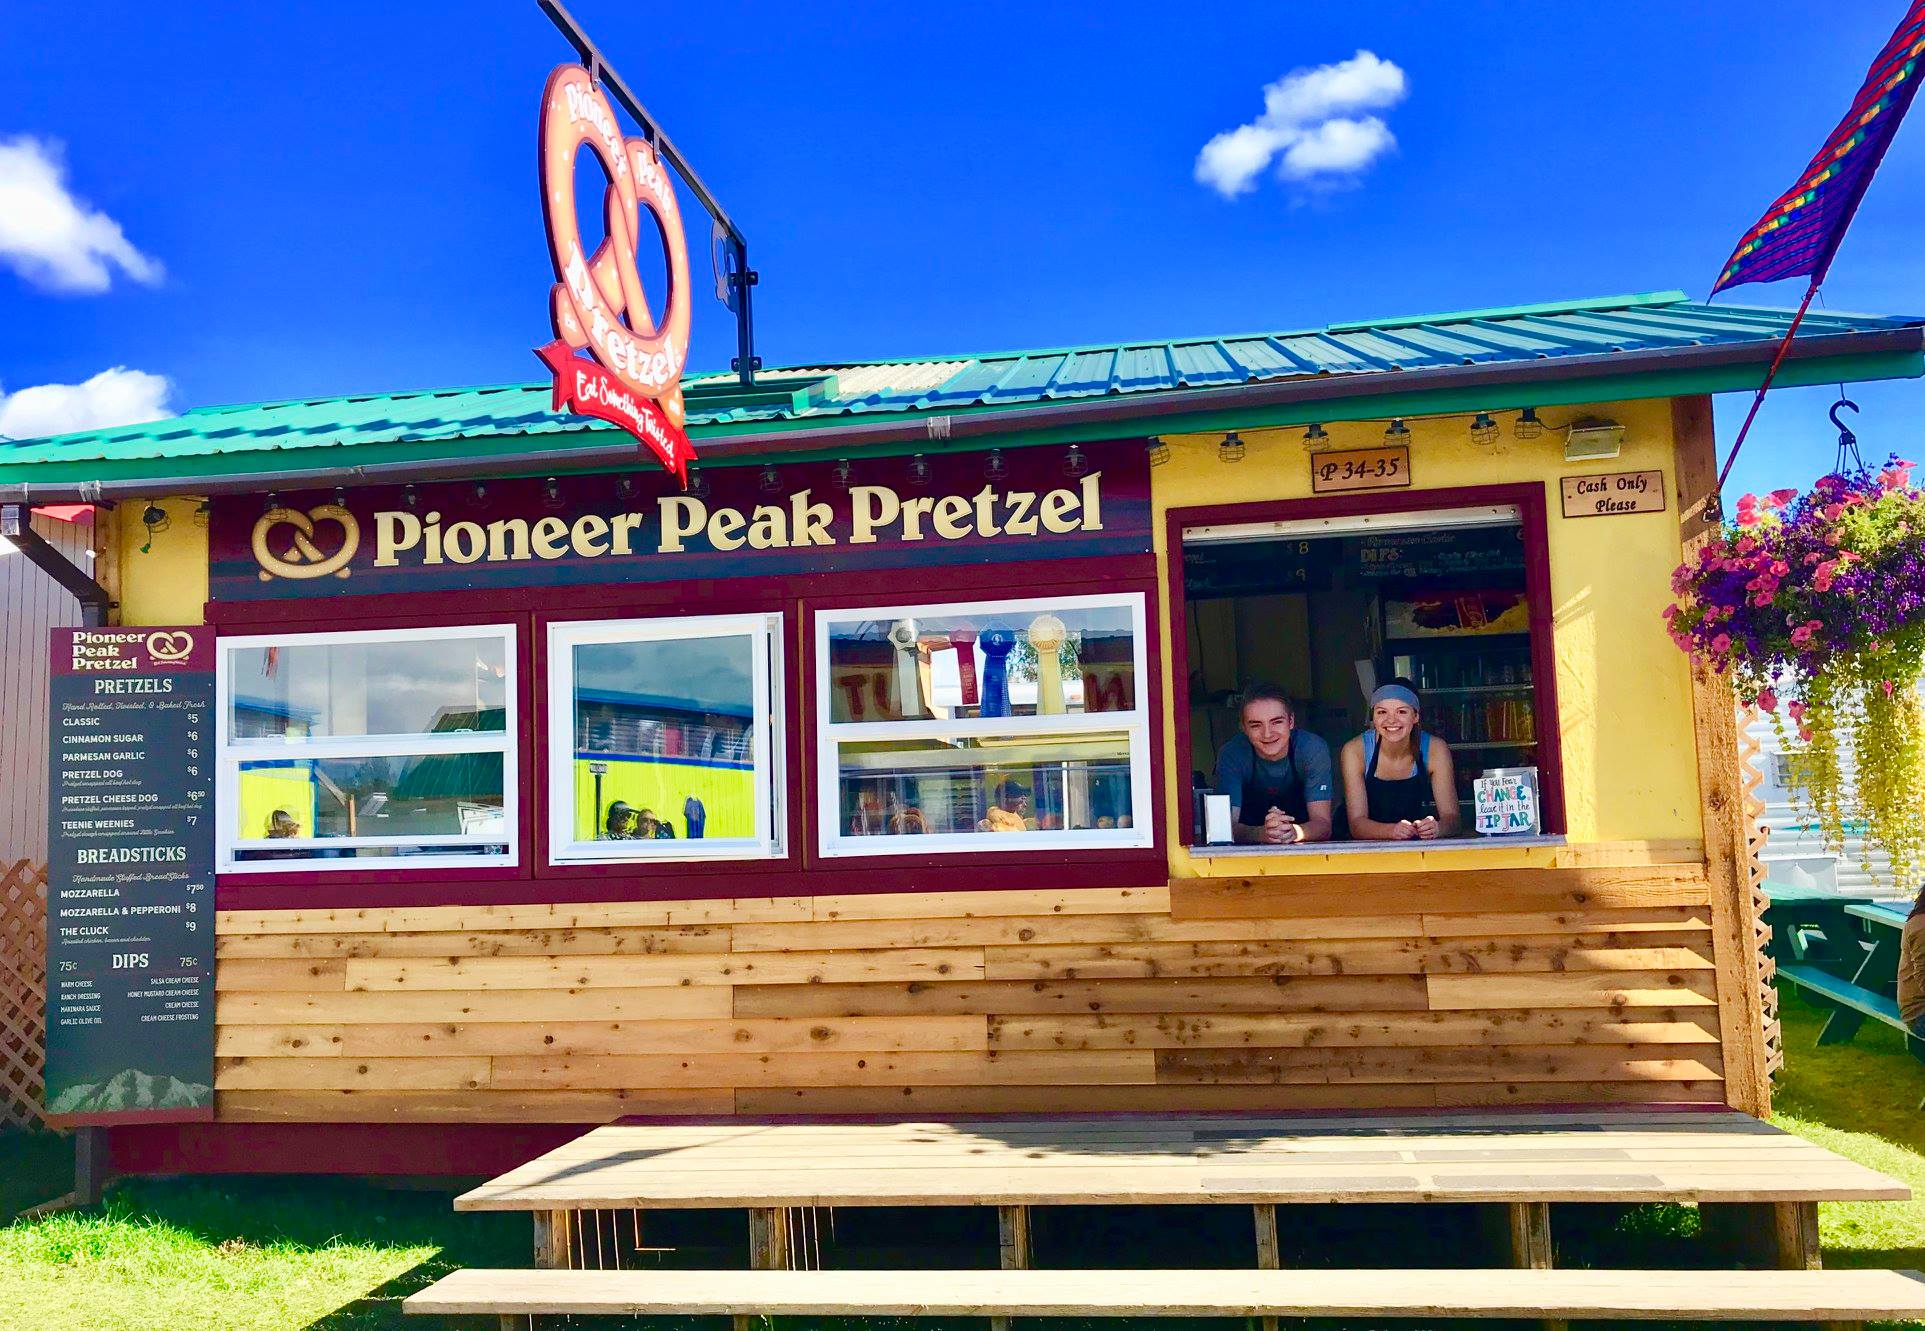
1075,463
995,467
919,470
1315,436
1231,449
1159,452
698,485
1527,426
154,518
410,498
1483,430
770,481
625,487
481,494
551,492
1397,432
202,511
845,474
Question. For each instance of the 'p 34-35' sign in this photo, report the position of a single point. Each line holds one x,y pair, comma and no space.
1345,469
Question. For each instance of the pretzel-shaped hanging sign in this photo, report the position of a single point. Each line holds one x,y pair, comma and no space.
598,305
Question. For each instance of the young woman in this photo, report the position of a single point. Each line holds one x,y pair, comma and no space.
1399,782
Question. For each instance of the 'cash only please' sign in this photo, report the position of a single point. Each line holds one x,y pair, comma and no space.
1040,503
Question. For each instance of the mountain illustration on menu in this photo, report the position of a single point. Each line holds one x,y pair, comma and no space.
131,1089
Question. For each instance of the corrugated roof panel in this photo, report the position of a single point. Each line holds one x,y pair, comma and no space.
1265,358
1025,379
1084,373
1520,333
1203,363
1450,346
966,385
1326,355
1564,334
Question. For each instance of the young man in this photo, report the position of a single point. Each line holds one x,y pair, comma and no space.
1277,777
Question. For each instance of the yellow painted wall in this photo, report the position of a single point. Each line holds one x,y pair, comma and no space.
1624,693
162,580
265,789
727,795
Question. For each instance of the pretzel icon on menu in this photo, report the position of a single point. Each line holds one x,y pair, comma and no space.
597,303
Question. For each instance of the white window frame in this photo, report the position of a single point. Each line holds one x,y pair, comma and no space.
231,753
835,843
764,630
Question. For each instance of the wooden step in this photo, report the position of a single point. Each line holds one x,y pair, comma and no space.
1722,1296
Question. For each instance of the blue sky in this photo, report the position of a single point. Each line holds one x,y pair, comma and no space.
332,202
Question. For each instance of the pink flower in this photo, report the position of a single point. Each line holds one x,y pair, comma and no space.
1779,498
1834,511
1796,709
1801,635
1721,644
1779,568
1768,700
1889,686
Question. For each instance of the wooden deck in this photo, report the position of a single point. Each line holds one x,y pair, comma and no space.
1699,1156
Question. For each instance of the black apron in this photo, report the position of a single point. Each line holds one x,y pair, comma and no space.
1406,801
1285,791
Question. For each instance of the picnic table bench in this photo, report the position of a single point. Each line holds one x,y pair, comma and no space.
1834,1297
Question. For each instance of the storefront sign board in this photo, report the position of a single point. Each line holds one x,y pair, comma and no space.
1613,493
130,877
641,527
1343,470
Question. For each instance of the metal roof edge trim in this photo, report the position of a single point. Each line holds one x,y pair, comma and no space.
1661,372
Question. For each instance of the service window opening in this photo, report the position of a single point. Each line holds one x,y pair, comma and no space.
1330,610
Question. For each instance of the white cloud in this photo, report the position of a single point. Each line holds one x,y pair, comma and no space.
1310,128
53,239
119,396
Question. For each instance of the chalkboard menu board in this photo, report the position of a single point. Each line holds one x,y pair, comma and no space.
130,877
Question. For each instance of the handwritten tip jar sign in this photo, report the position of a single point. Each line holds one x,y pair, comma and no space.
597,304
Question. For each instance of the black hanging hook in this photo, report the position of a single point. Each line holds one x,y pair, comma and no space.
1844,431
1848,459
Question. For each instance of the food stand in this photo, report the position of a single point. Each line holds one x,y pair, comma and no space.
857,777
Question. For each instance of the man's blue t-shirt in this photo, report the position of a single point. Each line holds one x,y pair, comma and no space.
1237,764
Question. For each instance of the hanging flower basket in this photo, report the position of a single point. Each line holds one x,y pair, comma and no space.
1820,597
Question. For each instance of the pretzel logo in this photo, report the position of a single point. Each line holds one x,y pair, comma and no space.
303,558
169,647
597,303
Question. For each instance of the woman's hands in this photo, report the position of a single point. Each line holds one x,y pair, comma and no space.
1424,829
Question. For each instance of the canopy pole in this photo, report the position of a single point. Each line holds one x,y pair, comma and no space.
1714,506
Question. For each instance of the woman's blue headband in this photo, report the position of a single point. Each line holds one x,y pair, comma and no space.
1396,693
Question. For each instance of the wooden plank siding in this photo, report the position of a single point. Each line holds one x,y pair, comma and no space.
1410,991
31,603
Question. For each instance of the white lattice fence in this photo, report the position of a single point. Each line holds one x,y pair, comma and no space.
23,991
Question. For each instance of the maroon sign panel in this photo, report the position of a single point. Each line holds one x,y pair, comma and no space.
130,877
815,517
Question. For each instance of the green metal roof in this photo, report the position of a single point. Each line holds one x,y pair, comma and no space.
1651,335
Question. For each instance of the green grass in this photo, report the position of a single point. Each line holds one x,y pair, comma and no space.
338,1255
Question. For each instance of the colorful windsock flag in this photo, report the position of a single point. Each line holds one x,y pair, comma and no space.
1799,233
